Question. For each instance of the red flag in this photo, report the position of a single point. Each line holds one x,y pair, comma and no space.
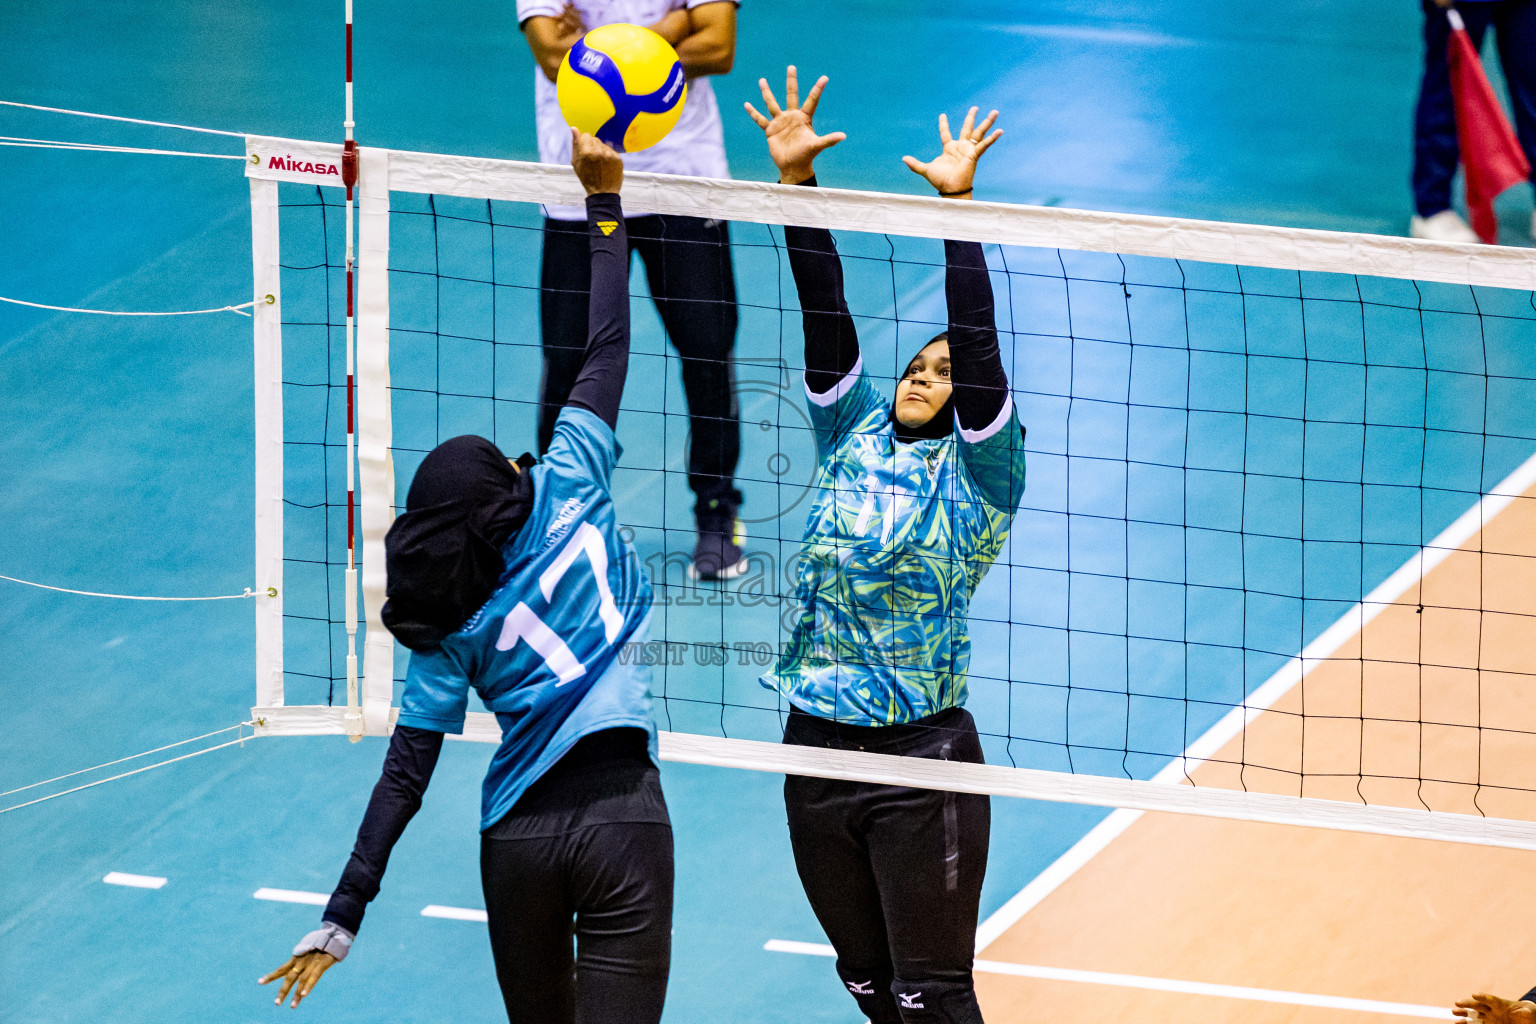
1490,154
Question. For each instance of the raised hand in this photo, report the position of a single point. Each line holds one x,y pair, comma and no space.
1494,1010
598,167
953,169
792,143
300,974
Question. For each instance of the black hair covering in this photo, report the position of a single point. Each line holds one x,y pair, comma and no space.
943,422
443,554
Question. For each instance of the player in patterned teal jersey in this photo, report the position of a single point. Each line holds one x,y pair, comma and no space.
518,585
914,501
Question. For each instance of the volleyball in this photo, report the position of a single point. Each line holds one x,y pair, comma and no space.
623,84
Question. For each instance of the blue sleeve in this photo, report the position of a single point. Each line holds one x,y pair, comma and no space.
852,405
436,692
994,456
583,447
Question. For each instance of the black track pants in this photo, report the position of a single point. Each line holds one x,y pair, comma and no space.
894,874
563,864
688,267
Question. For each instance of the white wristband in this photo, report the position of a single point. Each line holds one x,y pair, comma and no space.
331,938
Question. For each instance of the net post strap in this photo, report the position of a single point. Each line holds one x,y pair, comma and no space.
376,469
267,319
1003,780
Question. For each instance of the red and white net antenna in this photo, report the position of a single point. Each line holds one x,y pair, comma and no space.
354,716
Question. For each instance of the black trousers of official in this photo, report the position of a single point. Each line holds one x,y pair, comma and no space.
894,874
585,855
688,266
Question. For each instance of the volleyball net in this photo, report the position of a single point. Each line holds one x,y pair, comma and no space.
1276,558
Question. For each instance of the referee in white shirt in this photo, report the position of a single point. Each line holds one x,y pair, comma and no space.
687,260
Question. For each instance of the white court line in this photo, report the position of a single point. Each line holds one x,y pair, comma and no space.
135,881
1197,988
1351,623
453,913
316,899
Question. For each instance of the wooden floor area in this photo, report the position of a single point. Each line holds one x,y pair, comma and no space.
1431,704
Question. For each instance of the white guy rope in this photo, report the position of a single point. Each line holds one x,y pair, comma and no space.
159,764
114,117
271,592
8,140
118,312
130,757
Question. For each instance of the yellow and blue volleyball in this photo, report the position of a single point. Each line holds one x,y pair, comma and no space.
623,84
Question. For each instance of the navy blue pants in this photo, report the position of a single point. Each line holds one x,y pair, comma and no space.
1435,151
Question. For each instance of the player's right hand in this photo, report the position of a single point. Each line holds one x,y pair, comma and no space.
792,143
598,167
299,974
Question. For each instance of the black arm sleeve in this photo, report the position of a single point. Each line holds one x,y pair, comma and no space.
1529,997
976,365
600,384
396,798
831,343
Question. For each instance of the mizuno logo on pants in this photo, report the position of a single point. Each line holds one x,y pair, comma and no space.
909,1000
862,988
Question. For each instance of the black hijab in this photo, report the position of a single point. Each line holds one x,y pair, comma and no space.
943,422
443,554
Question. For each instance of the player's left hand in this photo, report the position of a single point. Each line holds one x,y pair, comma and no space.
598,167
1492,1009
952,171
300,974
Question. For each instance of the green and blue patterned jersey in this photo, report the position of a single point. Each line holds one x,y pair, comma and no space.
899,537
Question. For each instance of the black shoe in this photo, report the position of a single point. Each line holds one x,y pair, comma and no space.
717,555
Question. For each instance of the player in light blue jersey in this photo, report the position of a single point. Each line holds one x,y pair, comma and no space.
914,501
512,580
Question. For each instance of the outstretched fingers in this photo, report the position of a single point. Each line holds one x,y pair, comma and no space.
758,119
307,979
985,126
825,142
969,124
915,165
291,976
944,135
774,110
277,973
814,96
791,88
986,143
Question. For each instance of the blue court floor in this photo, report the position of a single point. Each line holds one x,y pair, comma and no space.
126,461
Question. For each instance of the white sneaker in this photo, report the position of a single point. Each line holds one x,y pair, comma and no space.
1445,226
